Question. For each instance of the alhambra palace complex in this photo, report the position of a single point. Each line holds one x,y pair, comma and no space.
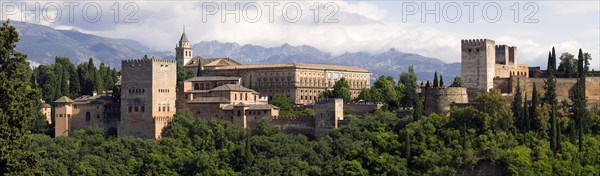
240,93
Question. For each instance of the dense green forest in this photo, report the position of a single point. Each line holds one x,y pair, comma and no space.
538,137
377,144
64,79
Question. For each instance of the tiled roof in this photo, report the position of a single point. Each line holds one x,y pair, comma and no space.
252,106
232,87
294,65
184,38
64,99
209,100
214,78
211,62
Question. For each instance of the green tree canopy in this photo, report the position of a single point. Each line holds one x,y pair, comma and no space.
457,82
282,102
341,89
19,106
568,64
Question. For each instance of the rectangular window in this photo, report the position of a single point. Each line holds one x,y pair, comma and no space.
143,108
129,108
136,109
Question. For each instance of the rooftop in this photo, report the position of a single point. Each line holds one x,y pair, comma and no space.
214,78
211,62
252,106
232,87
209,100
295,65
64,99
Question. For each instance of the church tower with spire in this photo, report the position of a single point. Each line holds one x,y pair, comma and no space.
183,51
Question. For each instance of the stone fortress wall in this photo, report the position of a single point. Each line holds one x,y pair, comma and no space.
329,114
477,56
440,99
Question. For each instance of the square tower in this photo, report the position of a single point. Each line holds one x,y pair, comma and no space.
478,58
148,93
328,112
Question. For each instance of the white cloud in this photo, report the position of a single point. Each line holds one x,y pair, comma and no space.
574,7
361,26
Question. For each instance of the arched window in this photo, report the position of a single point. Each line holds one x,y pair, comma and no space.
196,86
239,113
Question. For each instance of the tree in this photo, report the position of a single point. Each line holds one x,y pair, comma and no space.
550,98
282,102
587,57
87,77
19,106
365,94
535,103
581,64
580,113
183,74
526,115
435,80
341,89
199,69
493,104
517,108
457,82
409,88
385,88
568,64
441,80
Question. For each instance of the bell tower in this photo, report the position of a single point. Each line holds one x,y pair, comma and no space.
183,51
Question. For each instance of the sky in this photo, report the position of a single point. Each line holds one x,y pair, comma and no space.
428,28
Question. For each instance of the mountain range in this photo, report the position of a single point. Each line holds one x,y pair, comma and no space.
43,43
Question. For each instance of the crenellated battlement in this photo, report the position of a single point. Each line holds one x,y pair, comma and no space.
146,61
326,100
500,47
473,42
293,118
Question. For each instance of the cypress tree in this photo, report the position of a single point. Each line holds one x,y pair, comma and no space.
550,97
441,80
200,69
435,80
579,100
526,115
517,108
535,102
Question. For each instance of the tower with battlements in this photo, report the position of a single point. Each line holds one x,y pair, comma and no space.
478,58
148,93
328,112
